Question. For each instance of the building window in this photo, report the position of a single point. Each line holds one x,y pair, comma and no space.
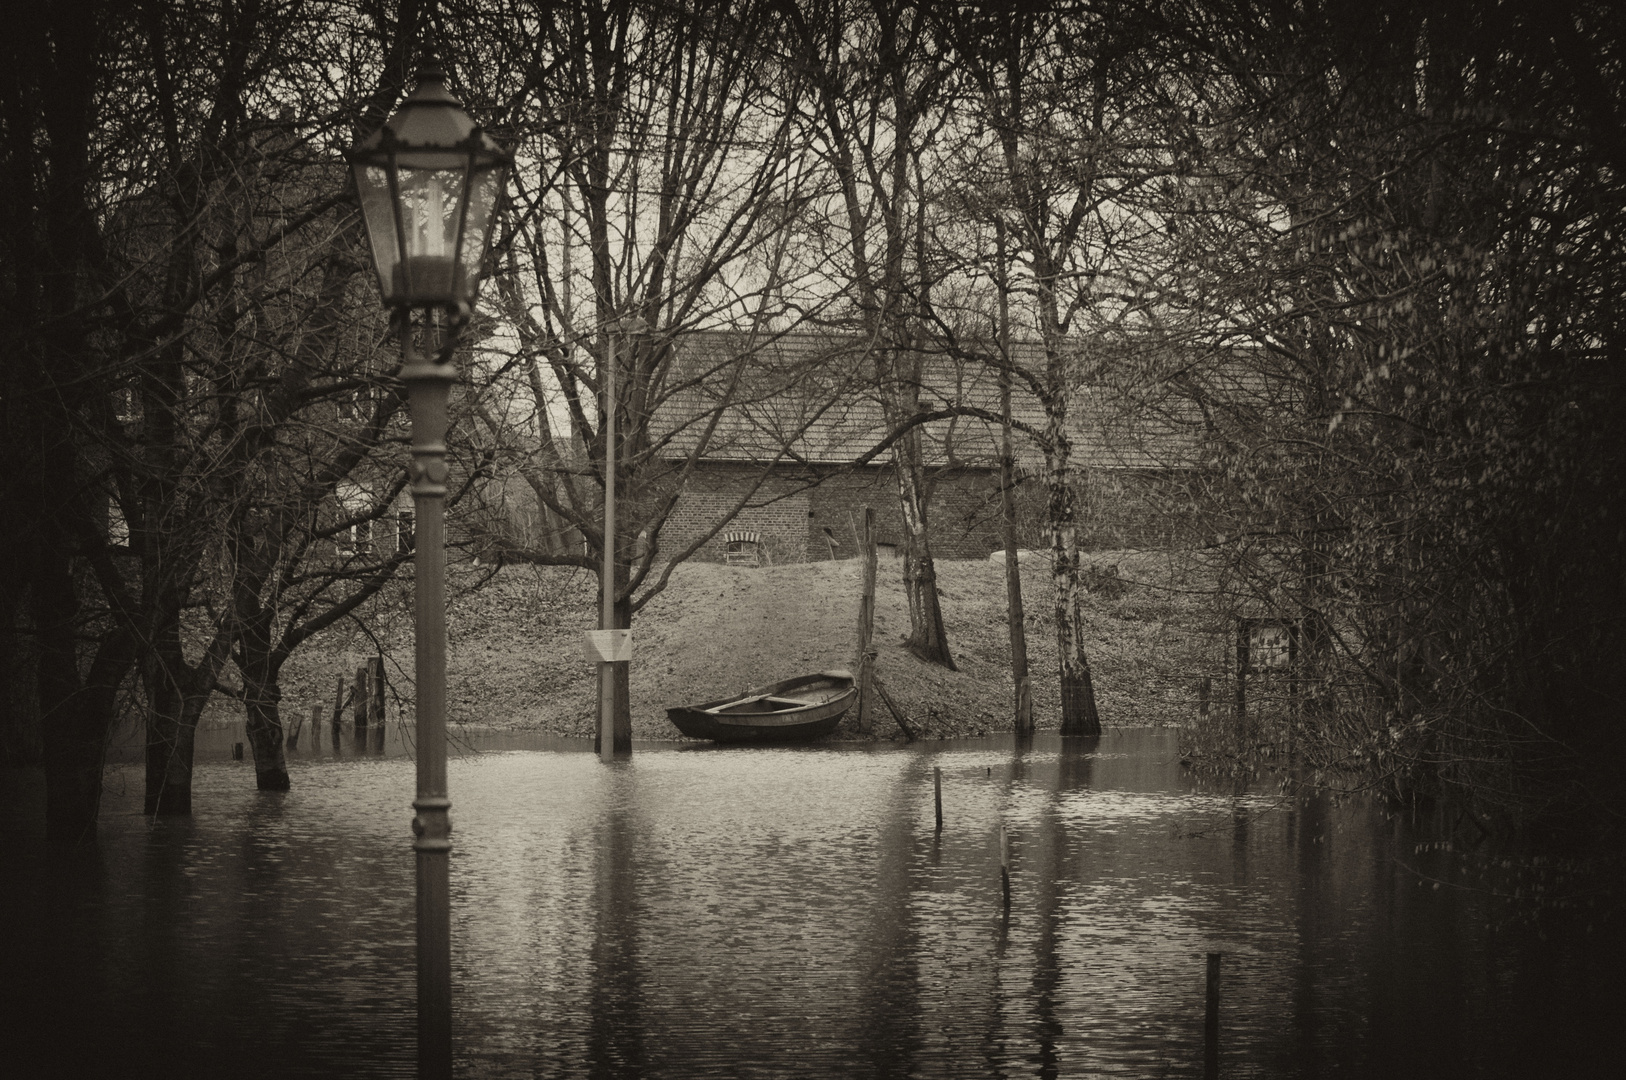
356,541
403,530
742,549
126,405
118,529
356,404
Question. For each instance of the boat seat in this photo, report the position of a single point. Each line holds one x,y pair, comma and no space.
775,702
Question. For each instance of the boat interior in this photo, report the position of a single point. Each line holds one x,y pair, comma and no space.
771,703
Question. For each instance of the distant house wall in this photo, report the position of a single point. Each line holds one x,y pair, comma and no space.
822,521
1135,449
1120,508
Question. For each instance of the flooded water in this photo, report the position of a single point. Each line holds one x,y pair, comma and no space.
782,912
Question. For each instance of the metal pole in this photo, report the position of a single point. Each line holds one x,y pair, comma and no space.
606,740
429,385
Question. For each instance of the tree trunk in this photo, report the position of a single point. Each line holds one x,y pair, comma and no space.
1078,712
927,638
176,694
1023,703
170,741
260,664
76,715
262,697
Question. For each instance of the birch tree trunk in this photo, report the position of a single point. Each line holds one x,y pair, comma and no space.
1078,712
1014,615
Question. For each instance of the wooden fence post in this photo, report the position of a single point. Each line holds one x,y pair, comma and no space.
866,626
1005,866
338,710
1211,1020
377,689
359,698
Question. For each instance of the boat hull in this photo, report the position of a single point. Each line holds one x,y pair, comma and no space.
802,708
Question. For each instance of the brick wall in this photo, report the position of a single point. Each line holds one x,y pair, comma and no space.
778,515
799,521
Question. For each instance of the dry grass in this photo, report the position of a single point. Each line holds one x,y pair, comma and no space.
516,659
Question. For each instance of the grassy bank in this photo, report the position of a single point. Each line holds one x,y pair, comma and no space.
516,658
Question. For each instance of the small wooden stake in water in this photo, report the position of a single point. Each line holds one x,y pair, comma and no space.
360,698
376,690
338,711
1005,866
937,785
1211,1021
237,751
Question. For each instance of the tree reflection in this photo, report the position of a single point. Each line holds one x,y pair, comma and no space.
616,1012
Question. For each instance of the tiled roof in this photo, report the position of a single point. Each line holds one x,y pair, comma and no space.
814,397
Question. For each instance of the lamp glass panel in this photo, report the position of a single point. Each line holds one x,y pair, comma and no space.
484,190
378,212
431,201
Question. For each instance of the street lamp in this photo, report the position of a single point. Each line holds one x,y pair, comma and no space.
429,182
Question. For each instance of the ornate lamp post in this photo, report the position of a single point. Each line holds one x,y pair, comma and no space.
429,182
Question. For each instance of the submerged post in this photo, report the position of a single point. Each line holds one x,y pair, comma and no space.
1005,865
1211,1021
337,719
614,737
937,786
606,620
360,700
377,687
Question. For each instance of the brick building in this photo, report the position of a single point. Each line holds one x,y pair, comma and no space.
810,499
763,451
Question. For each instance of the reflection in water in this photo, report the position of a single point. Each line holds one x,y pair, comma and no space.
783,912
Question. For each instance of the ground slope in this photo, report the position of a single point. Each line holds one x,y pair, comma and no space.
516,661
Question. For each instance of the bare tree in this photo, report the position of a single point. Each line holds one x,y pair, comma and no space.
208,265
661,167
1062,91
880,95
1395,242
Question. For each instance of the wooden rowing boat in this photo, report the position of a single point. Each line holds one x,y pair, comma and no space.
802,708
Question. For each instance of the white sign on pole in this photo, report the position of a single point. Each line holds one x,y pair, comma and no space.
607,646
1269,646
